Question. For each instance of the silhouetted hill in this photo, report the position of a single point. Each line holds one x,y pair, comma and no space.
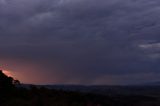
12,93
157,83
106,90
71,95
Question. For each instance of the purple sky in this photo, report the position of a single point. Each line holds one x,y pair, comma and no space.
81,41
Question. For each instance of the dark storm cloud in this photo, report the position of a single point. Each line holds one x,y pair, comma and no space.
87,41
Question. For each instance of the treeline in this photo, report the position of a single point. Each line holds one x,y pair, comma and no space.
49,97
11,95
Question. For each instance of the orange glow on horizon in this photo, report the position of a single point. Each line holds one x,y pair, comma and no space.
8,73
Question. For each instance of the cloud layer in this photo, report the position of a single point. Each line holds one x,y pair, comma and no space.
81,41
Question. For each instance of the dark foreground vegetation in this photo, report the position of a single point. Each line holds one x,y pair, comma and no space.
13,94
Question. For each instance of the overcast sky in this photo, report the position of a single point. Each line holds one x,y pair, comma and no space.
81,41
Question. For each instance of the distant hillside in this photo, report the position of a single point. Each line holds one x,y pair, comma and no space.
153,83
107,90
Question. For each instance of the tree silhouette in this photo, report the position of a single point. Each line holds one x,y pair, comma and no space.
7,83
6,86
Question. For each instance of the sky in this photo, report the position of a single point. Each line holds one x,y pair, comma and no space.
80,41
